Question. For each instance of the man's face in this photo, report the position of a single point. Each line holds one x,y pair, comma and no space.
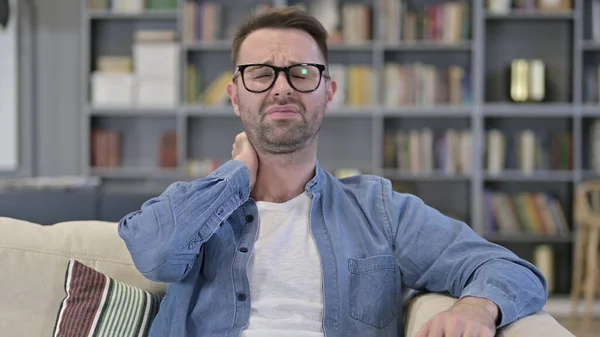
281,119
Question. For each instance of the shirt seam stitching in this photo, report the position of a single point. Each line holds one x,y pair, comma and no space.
385,213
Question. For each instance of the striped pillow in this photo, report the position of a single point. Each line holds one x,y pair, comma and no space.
96,305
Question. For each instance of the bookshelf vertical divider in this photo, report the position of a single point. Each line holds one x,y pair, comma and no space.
477,150
85,85
577,88
182,117
378,63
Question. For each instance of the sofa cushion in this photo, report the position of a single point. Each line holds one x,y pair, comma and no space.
97,305
33,261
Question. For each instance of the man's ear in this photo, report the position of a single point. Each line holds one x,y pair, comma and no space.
233,96
331,90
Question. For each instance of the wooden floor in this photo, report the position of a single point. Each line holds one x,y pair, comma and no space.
594,330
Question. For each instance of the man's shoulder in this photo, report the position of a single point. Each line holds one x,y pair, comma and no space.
358,181
362,179
375,187
371,185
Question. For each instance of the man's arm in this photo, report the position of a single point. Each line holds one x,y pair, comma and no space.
439,254
165,236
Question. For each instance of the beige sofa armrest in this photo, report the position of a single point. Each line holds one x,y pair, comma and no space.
424,306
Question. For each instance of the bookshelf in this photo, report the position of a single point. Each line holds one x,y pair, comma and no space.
461,109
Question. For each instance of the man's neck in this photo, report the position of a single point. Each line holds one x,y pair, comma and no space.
283,177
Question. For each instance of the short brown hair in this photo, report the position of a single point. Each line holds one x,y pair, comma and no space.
281,17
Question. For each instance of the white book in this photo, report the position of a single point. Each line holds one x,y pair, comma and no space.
496,151
128,6
466,148
414,151
452,148
427,162
156,93
391,25
157,60
527,151
326,11
112,89
391,78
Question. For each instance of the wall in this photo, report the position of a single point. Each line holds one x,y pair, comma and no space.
49,50
59,79
8,91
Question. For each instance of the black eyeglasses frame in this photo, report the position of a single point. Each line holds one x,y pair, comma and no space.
286,70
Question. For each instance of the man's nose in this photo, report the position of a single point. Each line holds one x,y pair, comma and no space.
282,86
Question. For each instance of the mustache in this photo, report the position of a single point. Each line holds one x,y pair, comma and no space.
283,101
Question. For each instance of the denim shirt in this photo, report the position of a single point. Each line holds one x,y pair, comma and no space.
198,236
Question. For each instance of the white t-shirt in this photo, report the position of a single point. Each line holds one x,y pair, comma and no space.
284,271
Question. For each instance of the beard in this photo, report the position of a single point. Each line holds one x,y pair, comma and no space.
282,136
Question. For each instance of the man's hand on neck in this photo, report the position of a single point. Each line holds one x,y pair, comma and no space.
275,177
243,151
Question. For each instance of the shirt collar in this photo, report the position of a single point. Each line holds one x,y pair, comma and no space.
315,184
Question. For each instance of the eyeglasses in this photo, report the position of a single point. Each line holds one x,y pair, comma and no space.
303,77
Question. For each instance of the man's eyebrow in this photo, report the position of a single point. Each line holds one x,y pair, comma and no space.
289,62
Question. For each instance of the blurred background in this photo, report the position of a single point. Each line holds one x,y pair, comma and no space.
485,109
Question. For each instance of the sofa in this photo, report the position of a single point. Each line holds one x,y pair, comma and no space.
34,260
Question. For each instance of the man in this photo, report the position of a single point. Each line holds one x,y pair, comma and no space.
269,244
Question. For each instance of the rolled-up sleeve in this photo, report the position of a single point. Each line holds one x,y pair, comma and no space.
166,235
440,254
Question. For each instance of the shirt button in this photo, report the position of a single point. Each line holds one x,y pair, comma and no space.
244,250
241,297
249,218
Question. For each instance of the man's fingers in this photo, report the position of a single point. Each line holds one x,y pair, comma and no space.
471,331
234,148
485,333
240,136
424,330
454,326
436,327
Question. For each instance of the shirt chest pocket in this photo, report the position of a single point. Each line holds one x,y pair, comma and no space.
372,290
